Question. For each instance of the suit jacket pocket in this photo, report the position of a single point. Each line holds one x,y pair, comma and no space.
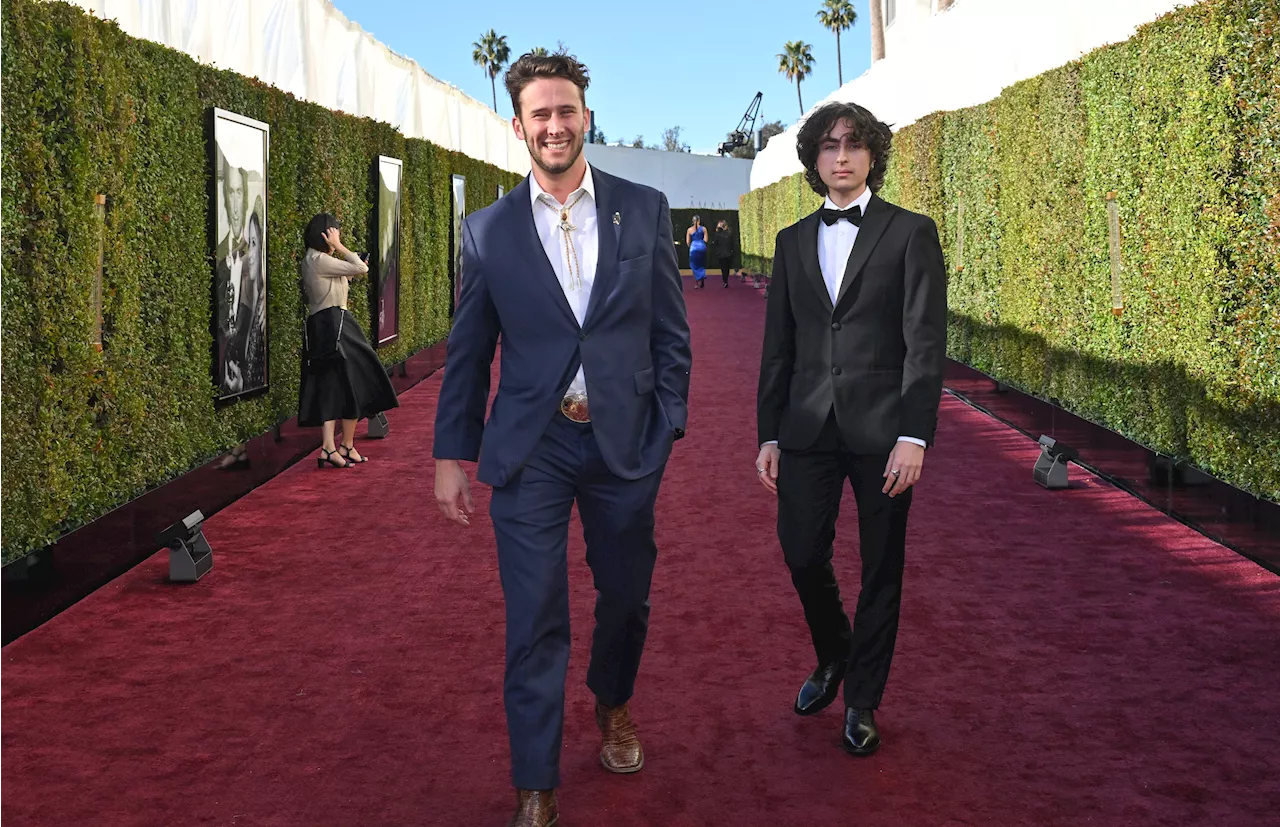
637,263
644,381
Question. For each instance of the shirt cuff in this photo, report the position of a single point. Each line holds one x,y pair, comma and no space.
770,442
913,441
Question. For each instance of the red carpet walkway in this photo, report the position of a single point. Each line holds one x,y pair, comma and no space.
1066,658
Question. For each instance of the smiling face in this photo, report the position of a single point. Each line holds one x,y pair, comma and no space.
552,121
843,163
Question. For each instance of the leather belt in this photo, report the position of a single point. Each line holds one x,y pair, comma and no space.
575,407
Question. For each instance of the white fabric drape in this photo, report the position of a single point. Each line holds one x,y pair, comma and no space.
311,50
966,56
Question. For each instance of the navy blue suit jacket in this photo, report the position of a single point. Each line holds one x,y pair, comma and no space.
633,343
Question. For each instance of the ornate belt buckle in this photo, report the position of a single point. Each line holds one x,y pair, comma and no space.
574,406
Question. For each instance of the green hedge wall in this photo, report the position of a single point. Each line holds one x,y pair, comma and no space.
90,110
765,211
1182,122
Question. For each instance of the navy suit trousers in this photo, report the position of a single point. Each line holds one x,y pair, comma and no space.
531,521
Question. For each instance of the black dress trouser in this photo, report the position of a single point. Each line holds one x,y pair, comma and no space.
810,485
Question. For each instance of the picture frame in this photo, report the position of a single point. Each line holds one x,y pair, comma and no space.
384,309
239,149
458,191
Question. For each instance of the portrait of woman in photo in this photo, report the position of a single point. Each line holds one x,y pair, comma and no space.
251,315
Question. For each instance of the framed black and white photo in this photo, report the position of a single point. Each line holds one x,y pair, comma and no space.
459,199
386,284
240,150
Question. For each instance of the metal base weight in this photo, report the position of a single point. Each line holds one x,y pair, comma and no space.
1050,471
190,557
378,426
190,561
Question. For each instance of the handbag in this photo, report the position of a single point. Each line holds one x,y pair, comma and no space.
322,339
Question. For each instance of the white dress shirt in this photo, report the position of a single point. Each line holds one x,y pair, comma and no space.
835,245
586,243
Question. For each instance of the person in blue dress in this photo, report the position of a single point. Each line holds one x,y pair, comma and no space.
696,238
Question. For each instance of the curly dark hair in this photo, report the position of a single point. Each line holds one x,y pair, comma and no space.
871,133
530,67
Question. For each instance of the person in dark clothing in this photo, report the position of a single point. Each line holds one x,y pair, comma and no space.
722,246
855,347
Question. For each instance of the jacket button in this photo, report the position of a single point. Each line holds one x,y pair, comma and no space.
835,371
835,325
582,337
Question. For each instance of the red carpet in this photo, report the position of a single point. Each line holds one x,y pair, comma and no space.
1066,658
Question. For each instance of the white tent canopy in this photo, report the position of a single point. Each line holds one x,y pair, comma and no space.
310,49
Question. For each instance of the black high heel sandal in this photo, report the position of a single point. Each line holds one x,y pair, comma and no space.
327,457
345,453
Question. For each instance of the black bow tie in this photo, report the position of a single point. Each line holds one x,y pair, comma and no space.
830,216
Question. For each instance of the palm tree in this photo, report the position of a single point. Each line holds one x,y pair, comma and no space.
837,15
877,31
796,62
541,51
491,54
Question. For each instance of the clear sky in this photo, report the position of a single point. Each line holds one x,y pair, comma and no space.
653,65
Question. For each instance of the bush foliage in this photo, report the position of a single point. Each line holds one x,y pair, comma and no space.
89,110
1182,124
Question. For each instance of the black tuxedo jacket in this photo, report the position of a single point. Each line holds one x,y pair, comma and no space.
876,356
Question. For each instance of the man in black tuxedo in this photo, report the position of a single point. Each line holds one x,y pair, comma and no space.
850,381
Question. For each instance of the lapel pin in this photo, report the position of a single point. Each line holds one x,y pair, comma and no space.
617,218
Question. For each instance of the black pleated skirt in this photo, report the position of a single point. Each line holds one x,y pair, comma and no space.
353,387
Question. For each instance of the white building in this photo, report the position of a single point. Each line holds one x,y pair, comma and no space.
903,20
704,182
938,61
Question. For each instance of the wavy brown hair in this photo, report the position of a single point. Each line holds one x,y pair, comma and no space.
530,67
873,134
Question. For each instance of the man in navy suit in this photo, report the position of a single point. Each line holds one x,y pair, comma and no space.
576,271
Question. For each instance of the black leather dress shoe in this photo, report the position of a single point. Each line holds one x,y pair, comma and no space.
861,736
821,687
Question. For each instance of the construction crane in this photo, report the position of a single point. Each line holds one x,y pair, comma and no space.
741,135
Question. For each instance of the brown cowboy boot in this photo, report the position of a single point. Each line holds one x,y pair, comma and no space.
535,808
620,746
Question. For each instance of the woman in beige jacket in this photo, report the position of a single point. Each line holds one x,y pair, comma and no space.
342,377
